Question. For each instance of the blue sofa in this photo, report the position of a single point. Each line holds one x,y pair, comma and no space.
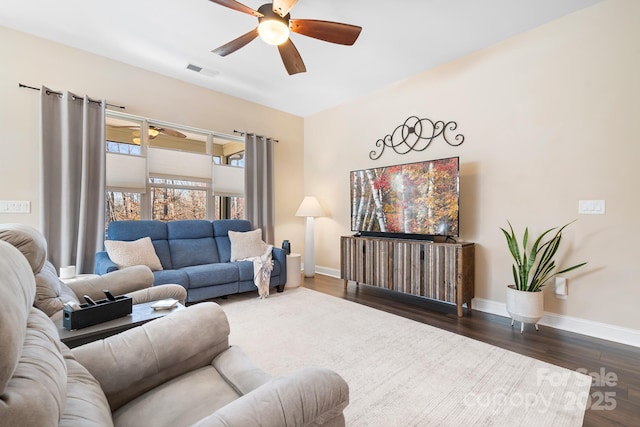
195,254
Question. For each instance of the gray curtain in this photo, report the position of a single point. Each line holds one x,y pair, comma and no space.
73,177
258,184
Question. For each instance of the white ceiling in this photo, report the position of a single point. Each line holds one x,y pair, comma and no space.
399,39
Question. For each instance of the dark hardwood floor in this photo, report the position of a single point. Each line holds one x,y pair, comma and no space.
614,404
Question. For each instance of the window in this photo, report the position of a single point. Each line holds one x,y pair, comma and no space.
236,159
123,148
229,207
122,205
227,204
168,172
173,199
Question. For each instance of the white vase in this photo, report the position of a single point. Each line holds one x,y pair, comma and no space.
525,307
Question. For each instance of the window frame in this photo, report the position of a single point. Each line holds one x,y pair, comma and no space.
146,199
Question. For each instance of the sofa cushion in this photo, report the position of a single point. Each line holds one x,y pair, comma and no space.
17,290
29,241
134,230
246,244
211,274
163,252
51,292
86,403
164,277
239,371
188,252
40,376
197,394
189,229
245,270
221,230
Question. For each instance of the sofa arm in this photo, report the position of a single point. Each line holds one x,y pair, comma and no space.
156,293
140,359
281,256
102,264
309,396
119,282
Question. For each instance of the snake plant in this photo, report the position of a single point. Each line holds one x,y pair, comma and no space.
535,266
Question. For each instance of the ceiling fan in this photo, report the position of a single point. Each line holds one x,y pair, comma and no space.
274,25
154,131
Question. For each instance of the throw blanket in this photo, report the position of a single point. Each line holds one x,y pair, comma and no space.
262,268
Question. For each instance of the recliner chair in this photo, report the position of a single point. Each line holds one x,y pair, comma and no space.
174,371
52,293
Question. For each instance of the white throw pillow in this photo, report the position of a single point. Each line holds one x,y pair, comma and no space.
138,252
246,244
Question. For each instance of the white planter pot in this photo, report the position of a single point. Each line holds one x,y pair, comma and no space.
525,307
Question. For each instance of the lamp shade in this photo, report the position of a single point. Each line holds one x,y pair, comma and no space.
310,207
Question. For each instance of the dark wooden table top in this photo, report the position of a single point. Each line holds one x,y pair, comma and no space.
141,313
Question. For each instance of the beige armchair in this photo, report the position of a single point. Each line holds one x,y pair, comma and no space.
52,293
174,371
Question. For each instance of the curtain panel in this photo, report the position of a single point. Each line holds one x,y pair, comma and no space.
73,177
258,184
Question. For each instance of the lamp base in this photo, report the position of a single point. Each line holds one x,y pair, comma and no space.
309,255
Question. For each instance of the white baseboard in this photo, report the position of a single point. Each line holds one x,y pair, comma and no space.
577,325
590,328
332,272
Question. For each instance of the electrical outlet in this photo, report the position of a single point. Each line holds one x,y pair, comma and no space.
561,288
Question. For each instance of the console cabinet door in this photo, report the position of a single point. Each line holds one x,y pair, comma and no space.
378,258
408,271
352,261
367,261
426,269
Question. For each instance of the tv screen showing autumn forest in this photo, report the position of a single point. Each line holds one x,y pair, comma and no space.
415,198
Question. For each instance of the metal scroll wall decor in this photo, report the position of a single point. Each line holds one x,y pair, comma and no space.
416,135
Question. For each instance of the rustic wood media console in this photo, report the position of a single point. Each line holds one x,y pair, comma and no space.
440,271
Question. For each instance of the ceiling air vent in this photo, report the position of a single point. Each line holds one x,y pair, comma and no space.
194,68
202,70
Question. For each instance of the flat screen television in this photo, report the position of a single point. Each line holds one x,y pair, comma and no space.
413,200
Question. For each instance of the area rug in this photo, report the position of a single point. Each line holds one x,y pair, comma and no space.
401,372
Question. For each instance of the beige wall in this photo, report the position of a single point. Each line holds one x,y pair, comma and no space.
550,117
34,61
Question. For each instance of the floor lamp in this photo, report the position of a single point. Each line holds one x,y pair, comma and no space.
310,208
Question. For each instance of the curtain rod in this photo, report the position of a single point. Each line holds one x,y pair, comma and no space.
60,93
259,136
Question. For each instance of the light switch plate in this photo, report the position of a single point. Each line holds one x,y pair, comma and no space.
591,207
15,206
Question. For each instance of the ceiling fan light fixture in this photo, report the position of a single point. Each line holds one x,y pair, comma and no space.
273,31
151,132
272,28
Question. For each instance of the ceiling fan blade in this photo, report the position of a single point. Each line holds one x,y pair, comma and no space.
170,132
291,58
232,4
282,7
333,32
236,44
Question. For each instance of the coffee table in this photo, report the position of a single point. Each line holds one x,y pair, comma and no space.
141,313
